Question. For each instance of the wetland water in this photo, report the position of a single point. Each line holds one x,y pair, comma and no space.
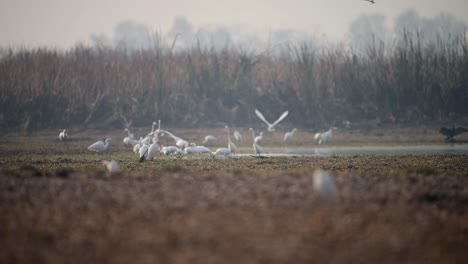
370,150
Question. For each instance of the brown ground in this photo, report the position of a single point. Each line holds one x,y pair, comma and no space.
57,205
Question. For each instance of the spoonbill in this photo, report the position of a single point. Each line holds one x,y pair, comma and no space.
271,127
112,166
289,135
63,135
100,146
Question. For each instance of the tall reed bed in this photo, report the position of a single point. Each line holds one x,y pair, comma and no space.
407,81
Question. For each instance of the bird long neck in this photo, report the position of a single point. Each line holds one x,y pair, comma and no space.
229,136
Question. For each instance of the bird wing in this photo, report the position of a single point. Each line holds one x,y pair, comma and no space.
262,117
283,116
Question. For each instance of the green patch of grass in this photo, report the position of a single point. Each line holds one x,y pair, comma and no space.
422,170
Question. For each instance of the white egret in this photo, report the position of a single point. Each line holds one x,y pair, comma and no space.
153,150
128,139
193,149
209,139
100,146
324,137
222,152
257,149
181,143
170,150
112,166
63,135
231,146
143,152
289,135
237,136
137,146
325,185
271,127
258,139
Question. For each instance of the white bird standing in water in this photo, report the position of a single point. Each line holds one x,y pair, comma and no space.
271,127
289,135
112,166
63,135
231,146
257,149
100,146
325,185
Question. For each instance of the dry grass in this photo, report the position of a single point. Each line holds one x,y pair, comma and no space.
406,82
57,204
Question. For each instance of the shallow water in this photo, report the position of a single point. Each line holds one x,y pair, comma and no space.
368,150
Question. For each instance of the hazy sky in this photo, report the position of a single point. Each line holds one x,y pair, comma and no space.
62,23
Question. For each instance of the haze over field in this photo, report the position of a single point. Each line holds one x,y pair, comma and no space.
64,23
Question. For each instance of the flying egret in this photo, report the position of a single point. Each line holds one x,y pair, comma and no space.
100,146
112,166
231,146
257,149
181,143
325,185
237,136
209,139
289,135
63,135
271,127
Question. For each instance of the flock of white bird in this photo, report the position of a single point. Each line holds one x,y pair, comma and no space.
148,147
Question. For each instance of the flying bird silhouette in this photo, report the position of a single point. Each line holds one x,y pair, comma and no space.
271,127
370,1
